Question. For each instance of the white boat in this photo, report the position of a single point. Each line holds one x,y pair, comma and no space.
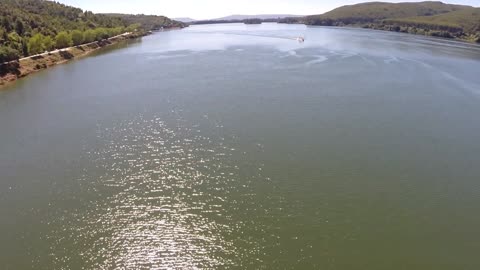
300,39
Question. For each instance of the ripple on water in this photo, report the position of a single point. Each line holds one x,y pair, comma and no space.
158,199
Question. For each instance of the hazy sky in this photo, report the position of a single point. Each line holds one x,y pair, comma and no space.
208,9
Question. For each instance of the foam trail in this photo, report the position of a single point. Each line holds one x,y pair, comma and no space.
252,35
263,36
320,59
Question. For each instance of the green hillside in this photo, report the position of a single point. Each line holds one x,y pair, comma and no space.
373,11
468,20
148,22
32,26
426,18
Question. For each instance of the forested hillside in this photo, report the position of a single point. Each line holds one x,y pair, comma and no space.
29,27
452,23
374,11
428,18
148,22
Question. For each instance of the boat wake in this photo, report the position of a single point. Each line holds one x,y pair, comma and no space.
300,39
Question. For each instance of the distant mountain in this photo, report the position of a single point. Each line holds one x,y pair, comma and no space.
184,19
426,18
259,16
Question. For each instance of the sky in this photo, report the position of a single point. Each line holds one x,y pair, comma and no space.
210,9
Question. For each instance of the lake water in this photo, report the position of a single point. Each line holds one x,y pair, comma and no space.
235,146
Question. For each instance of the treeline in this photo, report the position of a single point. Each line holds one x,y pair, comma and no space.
215,22
40,43
252,21
448,31
28,27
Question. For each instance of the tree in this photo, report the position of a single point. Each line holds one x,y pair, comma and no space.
6,24
133,27
3,34
25,46
48,43
117,31
8,54
14,41
77,37
19,27
63,40
101,33
89,36
35,44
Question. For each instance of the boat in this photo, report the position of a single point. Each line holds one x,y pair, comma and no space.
300,39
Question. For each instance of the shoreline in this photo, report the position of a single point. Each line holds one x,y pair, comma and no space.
466,39
12,71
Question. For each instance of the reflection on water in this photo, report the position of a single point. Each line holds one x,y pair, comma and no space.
168,187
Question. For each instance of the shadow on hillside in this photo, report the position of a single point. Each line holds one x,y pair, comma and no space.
38,57
66,55
12,67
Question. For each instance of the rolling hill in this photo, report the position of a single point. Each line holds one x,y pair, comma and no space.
368,12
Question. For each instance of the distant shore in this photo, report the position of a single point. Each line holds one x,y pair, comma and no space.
405,30
14,70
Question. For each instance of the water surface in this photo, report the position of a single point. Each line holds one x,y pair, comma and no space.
234,146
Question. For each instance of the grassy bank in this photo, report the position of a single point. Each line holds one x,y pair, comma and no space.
12,71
